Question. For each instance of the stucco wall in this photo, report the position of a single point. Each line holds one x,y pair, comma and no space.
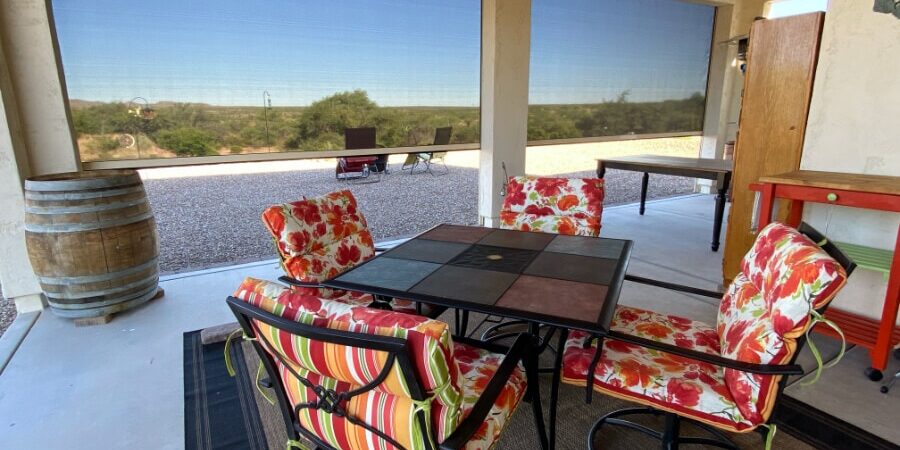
16,276
854,126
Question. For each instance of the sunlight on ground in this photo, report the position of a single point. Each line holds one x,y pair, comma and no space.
539,160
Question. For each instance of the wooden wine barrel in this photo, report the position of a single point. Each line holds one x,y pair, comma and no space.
92,241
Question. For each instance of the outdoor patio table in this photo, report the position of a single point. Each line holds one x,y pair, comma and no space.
569,282
718,170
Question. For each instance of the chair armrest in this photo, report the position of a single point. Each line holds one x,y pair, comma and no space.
716,360
482,407
296,282
673,286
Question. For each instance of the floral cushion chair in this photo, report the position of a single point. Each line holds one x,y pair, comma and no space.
725,376
571,206
352,377
318,239
553,205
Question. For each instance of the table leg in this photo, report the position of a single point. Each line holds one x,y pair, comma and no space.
592,369
766,206
554,384
717,219
644,182
534,390
882,348
795,214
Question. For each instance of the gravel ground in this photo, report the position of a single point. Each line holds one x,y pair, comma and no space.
214,220
7,314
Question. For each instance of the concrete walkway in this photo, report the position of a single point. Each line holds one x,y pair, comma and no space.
120,385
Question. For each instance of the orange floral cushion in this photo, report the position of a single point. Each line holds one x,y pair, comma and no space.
665,328
690,388
553,205
763,312
767,307
666,381
319,238
477,367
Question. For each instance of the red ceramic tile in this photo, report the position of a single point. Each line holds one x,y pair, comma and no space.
552,297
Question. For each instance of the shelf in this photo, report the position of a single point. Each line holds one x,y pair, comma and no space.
868,257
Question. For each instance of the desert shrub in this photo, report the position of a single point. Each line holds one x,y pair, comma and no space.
187,141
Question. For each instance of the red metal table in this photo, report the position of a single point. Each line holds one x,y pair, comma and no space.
859,191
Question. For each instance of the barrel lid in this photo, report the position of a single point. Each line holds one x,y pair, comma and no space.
88,179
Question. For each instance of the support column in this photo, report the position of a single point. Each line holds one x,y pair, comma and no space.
505,55
16,275
29,39
35,133
720,91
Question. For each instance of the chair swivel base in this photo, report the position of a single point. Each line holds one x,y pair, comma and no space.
669,437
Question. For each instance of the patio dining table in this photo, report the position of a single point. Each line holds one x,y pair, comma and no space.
718,170
568,282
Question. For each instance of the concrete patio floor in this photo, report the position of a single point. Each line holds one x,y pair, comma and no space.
120,385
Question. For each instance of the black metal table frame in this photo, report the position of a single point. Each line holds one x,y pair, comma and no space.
722,179
533,318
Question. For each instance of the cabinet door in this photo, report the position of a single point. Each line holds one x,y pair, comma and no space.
781,65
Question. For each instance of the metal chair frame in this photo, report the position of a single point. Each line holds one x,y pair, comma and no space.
399,352
670,436
413,160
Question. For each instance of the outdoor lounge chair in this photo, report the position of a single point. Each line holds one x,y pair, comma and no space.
321,237
723,377
349,377
413,160
354,167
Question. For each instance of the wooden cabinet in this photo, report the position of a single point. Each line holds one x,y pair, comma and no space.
781,65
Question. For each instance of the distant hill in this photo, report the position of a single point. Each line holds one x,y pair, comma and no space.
78,104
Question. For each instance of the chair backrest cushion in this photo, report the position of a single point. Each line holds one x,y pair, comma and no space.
768,306
389,406
359,138
319,238
553,205
442,135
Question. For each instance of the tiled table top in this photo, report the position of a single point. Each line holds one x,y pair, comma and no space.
568,281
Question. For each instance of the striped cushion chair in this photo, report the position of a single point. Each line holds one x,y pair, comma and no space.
553,205
321,237
352,377
726,376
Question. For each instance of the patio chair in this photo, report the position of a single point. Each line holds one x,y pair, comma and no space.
570,206
355,167
553,205
349,377
321,237
723,377
427,159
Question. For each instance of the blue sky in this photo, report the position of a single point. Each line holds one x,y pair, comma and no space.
425,52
